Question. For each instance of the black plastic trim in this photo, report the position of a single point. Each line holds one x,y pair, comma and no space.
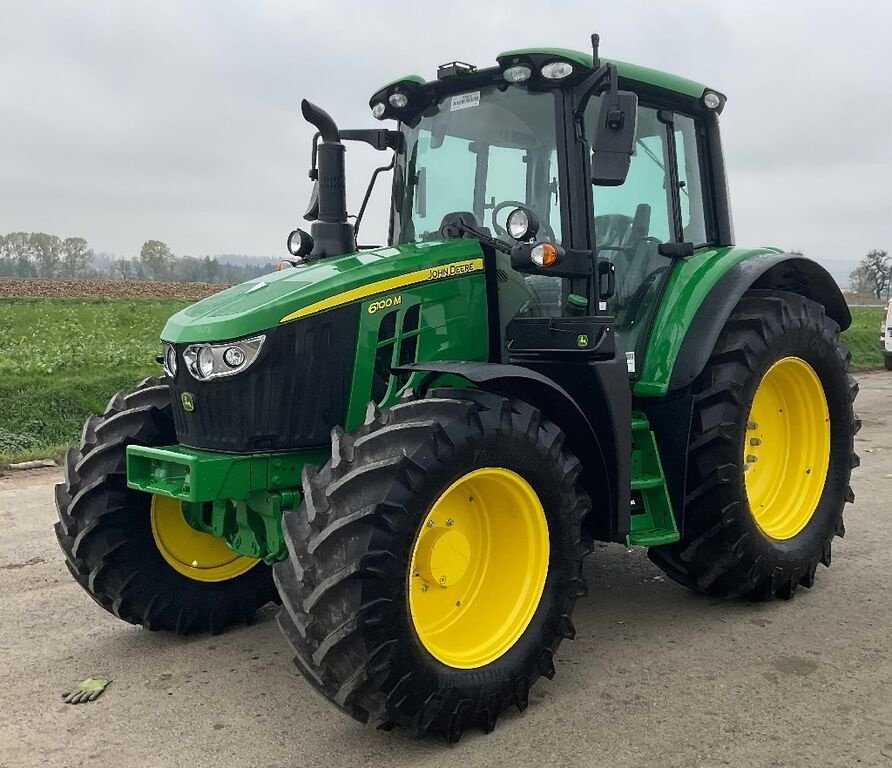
670,421
292,395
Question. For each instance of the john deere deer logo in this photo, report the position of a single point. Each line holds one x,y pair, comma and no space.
188,401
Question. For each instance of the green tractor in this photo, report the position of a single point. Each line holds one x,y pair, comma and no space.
412,447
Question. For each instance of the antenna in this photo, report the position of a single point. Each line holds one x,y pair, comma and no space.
596,41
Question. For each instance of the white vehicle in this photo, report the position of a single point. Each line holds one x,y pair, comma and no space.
886,336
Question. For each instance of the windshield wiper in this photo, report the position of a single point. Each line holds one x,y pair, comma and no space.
457,225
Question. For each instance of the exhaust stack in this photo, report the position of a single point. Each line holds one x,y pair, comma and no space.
332,234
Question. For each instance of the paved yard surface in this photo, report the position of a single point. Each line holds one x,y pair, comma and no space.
657,676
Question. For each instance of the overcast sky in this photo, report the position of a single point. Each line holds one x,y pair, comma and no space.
123,121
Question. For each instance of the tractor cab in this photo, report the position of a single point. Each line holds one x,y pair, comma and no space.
618,167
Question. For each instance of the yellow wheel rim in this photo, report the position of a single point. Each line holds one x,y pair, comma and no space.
197,555
478,568
786,449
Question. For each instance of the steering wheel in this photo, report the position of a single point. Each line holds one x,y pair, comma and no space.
502,232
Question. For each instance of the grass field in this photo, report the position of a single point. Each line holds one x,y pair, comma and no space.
62,359
863,338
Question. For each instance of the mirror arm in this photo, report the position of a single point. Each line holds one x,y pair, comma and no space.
314,172
368,191
586,89
378,138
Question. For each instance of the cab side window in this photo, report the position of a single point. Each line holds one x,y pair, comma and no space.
690,175
660,201
631,220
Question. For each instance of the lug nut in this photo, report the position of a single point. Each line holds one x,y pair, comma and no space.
430,523
755,441
751,459
752,425
450,521
424,587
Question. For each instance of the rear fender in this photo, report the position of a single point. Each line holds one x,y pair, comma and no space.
701,294
779,271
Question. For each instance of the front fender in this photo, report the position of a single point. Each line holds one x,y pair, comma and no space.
701,294
605,478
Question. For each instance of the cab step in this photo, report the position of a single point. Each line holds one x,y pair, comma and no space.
652,522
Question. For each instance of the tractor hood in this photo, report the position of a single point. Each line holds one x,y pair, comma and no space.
285,296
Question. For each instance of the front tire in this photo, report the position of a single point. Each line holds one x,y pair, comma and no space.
435,562
770,454
133,553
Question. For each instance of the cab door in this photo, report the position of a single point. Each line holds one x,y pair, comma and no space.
661,201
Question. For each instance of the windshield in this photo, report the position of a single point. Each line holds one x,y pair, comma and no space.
482,152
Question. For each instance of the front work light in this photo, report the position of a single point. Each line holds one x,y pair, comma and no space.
378,111
556,70
517,74
712,100
398,100
213,361
522,224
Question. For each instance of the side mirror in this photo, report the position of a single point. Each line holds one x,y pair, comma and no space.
615,138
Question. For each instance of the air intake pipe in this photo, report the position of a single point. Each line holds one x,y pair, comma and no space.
332,234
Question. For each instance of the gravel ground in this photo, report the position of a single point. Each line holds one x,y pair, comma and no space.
656,677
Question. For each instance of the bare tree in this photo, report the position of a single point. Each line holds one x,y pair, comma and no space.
124,267
875,266
859,280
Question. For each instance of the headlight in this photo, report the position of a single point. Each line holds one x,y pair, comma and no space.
213,361
170,360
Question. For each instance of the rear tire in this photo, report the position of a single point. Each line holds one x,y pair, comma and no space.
345,585
725,551
105,529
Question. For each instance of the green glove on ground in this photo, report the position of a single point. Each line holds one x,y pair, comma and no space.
88,690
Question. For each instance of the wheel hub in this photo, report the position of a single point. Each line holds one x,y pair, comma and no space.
786,448
443,556
478,568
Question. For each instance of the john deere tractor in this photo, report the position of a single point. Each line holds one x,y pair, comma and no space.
413,446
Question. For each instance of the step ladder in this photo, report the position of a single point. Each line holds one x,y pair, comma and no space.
652,522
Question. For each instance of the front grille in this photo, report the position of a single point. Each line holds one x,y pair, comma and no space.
289,398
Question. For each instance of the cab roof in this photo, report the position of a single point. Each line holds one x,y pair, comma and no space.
652,77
